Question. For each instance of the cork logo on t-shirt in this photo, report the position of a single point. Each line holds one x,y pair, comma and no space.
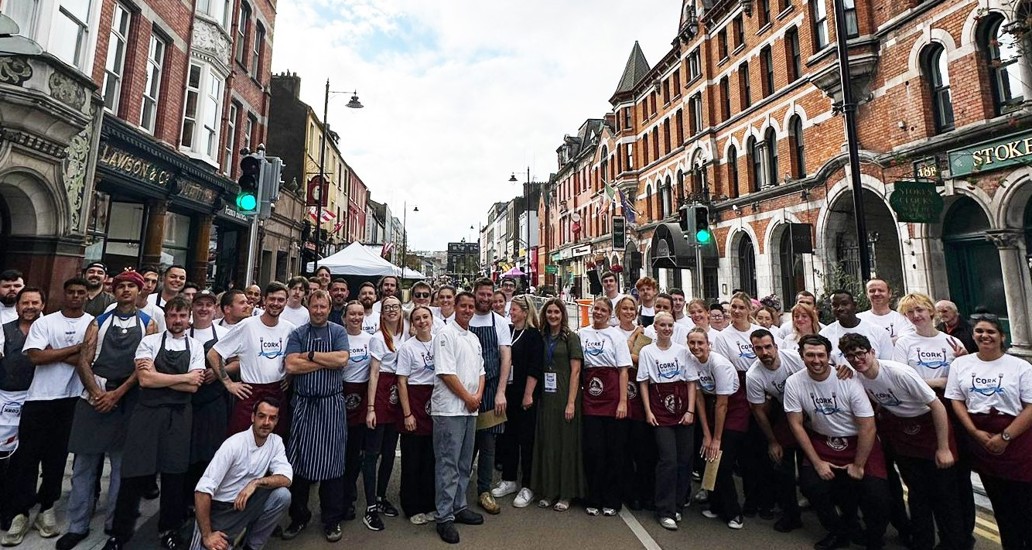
987,385
270,349
934,359
825,405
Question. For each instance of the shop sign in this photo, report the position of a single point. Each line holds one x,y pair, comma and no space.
566,254
555,257
551,269
581,250
927,169
992,155
196,192
134,166
232,213
916,202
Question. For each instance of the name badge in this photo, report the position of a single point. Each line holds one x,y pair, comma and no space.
551,382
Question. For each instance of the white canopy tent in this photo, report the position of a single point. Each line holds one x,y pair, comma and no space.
356,260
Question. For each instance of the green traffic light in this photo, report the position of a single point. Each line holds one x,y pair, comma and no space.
703,236
247,202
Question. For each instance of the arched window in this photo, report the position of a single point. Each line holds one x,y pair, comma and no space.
679,189
770,141
648,203
732,171
755,156
665,198
605,165
1002,51
795,142
935,67
699,190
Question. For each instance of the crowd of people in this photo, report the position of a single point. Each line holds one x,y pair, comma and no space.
240,402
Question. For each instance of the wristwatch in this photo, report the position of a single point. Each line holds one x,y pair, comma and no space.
1006,436
311,356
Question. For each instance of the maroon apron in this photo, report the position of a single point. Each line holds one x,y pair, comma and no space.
635,405
913,437
601,391
780,426
841,451
1015,463
240,419
386,404
668,402
355,402
419,405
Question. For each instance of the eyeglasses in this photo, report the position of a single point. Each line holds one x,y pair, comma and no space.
391,308
421,294
856,353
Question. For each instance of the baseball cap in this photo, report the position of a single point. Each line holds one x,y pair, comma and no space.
205,294
96,264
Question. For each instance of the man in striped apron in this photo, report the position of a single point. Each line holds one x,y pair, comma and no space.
316,355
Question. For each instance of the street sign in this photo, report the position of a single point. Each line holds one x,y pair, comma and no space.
551,269
315,186
916,202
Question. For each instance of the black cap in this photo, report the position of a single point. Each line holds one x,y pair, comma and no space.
205,294
96,264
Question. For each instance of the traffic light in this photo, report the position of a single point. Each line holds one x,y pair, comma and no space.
250,176
268,189
703,235
619,233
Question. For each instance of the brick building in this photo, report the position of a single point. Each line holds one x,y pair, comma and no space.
177,89
741,115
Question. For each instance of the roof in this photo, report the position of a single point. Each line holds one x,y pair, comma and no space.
635,69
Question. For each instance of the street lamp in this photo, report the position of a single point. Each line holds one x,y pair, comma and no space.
353,104
404,236
526,197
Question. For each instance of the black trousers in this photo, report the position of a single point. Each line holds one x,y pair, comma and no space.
127,506
898,516
331,500
724,498
640,476
934,500
870,495
380,443
604,442
353,461
43,446
1012,506
785,483
756,470
515,447
417,474
673,467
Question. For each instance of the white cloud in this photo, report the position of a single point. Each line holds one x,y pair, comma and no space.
460,93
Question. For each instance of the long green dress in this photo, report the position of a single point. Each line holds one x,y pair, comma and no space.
558,470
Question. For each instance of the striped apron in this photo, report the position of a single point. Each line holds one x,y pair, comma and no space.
492,368
316,446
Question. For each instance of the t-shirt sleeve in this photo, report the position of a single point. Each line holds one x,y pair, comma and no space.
404,366
279,464
754,387
535,356
293,342
623,354
791,400
377,348
444,354
913,384
1025,384
197,355
574,346
217,469
502,330
858,399
146,349
953,384
691,370
37,337
886,349
340,339
725,377
645,362
233,343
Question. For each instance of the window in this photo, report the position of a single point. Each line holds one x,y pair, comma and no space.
739,28
743,83
628,118
677,83
249,127
152,91
732,171
630,156
767,68
795,59
764,6
243,24
820,24
648,203
936,70
202,111
1002,51
795,142
679,123
256,55
229,155
694,65
25,13
722,43
115,64
725,98
655,143
695,114
699,190
193,93
754,150
217,10
666,92
666,198
70,32
852,28
666,136
770,141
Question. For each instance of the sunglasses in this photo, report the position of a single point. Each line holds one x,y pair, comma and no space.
421,294
992,318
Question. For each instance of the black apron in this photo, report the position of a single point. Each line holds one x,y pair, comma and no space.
492,369
17,369
158,439
210,413
94,432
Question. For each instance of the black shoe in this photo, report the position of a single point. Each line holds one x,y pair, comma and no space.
333,533
349,514
787,524
447,532
766,513
749,511
386,508
112,544
170,541
634,504
152,492
649,505
831,542
372,520
294,529
468,517
70,540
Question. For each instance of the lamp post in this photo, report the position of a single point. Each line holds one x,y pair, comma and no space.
353,104
404,235
526,198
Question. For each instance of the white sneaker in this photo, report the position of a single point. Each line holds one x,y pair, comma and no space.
668,523
710,514
46,523
523,498
19,528
504,488
677,516
736,523
420,519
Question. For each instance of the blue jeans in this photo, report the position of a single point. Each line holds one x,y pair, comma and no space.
84,479
453,450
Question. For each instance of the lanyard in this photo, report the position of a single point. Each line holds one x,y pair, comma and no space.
550,344
519,334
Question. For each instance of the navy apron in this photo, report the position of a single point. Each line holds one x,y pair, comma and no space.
492,369
316,446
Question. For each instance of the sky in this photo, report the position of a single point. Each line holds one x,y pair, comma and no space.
459,94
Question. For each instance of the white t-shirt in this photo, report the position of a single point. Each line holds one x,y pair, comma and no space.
500,323
296,317
787,334
456,351
736,346
151,344
371,324
613,321
685,321
239,461
357,370
717,376
898,389
56,380
1005,383
150,309
205,335
416,361
680,335
929,356
604,348
832,405
378,350
761,381
880,340
260,349
894,322
660,366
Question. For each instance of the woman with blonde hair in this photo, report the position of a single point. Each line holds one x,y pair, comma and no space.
804,322
699,312
927,351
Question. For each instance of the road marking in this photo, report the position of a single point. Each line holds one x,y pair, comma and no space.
643,536
987,535
990,532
